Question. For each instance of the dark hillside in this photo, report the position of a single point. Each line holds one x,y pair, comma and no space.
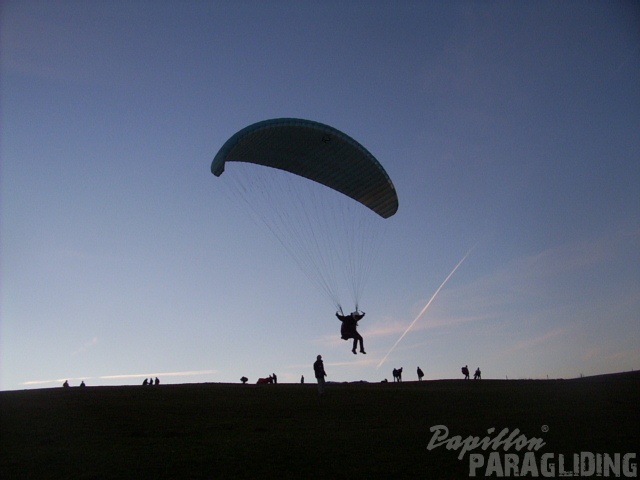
356,430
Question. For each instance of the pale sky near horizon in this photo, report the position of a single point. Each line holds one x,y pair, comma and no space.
510,127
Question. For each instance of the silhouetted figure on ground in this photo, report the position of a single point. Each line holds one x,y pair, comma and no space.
318,370
263,381
397,374
157,382
478,374
82,384
465,372
302,379
66,384
349,329
146,382
420,374
275,378
385,381
244,379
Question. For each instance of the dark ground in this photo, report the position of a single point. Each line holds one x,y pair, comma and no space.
356,430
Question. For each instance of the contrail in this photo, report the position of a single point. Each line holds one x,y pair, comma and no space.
425,307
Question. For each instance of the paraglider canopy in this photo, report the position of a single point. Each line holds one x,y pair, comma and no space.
315,151
318,191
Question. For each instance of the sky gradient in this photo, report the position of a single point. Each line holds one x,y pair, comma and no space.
509,127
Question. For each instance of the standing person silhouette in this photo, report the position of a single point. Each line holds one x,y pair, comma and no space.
349,329
318,369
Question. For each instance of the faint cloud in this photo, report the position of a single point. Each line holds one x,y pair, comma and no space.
451,321
328,341
592,353
549,284
627,356
578,256
187,373
124,376
86,346
395,327
361,361
631,355
530,343
386,328
44,382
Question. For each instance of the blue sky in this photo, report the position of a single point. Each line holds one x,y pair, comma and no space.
513,127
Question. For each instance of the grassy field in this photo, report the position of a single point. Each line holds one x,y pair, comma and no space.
355,430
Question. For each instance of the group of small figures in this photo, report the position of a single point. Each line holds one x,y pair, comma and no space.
151,381
397,375
273,378
476,376
66,384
